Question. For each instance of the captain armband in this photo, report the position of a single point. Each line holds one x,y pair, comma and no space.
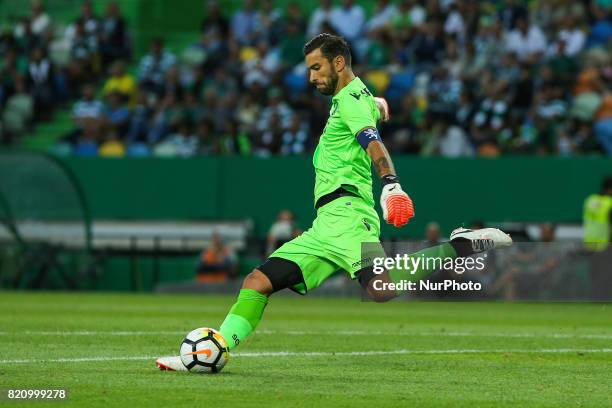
367,135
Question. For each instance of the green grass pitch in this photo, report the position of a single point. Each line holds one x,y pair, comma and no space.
339,352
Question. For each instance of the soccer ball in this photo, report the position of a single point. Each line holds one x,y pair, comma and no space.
204,350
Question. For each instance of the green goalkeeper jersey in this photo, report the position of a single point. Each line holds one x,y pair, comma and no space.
339,160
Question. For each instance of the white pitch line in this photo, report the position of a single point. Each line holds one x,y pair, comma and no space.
77,360
404,351
315,332
322,354
94,333
441,334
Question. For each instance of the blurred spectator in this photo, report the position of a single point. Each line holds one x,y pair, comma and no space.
247,111
83,37
215,21
319,16
83,52
601,29
207,142
25,38
454,142
295,17
348,20
233,140
572,37
410,16
153,67
454,25
283,230
262,66
295,139
269,25
120,82
510,12
40,21
383,15
138,127
217,263
184,143
40,83
88,115
13,68
433,235
117,114
244,23
290,46
166,116
18,112
88,19
603,123
527,41
428,44
114,41
278,108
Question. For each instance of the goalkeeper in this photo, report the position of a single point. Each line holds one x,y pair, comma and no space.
346,217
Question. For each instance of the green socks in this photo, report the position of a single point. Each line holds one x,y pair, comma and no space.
243,317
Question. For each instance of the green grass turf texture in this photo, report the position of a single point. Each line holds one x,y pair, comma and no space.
44,327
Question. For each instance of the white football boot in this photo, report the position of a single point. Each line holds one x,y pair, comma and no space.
482,239
171,363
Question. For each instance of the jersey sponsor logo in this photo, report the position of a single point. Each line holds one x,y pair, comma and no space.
364,91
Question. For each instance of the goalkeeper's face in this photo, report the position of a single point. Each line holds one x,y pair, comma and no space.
321,72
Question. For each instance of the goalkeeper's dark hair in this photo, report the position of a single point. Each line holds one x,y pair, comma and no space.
331,46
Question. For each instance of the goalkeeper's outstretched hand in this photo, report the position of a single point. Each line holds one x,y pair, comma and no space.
396,205
383,108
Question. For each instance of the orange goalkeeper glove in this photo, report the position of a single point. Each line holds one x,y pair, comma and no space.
396,205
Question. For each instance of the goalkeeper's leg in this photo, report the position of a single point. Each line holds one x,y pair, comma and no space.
273,275
246,313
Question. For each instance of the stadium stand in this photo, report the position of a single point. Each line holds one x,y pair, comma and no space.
463,78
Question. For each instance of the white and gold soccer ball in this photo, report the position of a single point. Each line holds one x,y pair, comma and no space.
204,350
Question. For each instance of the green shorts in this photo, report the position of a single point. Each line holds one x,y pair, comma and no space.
334,242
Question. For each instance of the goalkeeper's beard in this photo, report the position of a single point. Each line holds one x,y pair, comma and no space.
333,83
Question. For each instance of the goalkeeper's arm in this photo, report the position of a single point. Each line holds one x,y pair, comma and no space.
396,205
